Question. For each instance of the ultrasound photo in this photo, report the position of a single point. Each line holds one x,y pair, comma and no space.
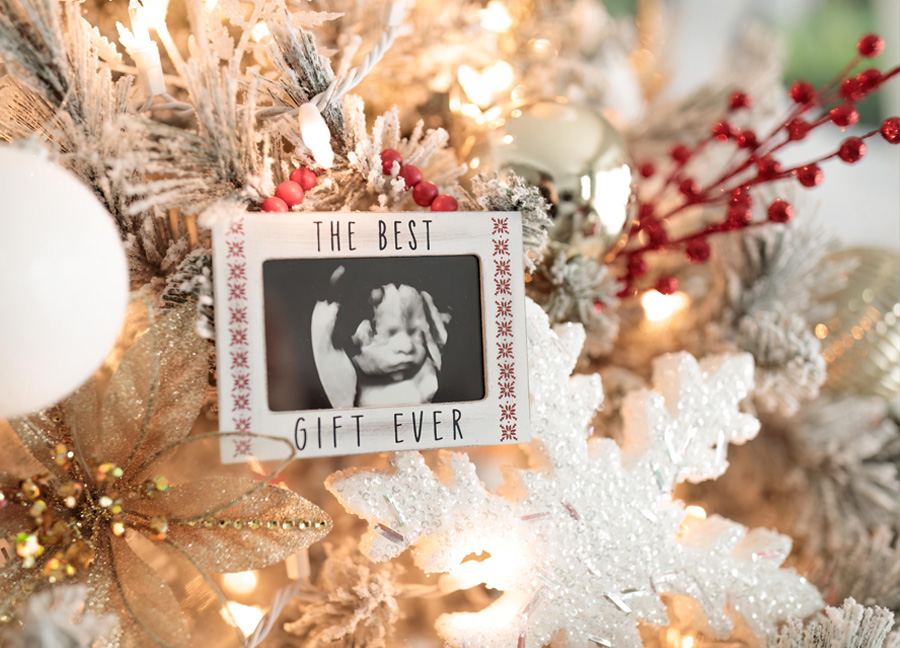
373,332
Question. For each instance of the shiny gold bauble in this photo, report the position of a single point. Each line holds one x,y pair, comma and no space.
579,160
861,342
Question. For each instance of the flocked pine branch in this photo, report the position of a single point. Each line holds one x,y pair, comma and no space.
849,626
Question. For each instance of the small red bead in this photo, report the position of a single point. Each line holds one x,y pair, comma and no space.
598,306
803,93
851,90
740,100
680,153
869,79
798,129
290,192
657,235
304,177
740,196
723,131
852,150
690,189
844,115
768,167
627,289
388,157
698,251
890,130
870,45
647,169
667,285
637,267
424,193
645,213
747,139
780,211
810,175
444,203
274,205
739,216
412,175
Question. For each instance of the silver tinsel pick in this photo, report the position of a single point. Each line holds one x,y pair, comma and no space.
849,626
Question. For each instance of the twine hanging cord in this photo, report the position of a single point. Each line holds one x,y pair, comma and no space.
342,84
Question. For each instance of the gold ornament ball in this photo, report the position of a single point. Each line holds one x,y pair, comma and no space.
580,162
861,341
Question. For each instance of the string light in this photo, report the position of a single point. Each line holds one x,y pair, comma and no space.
482,88
241,582
662,308
260,31
247,617
496,18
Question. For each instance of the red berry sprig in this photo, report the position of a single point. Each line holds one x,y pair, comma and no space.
425,194
291,192
755,163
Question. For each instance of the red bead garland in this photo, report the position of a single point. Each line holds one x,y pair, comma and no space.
304,177
290,193
274,204
424,193
803,93
388,157
740,100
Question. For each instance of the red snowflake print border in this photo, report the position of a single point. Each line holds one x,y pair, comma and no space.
239,349
503,345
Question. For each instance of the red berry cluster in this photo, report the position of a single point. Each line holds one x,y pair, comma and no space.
425,193
290,192
755,163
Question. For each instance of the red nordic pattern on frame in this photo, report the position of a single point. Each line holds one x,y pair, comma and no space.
239,348
503,350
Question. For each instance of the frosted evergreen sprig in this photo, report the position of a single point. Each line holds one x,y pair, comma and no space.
789,366
192,281
578,289
513,193
849,626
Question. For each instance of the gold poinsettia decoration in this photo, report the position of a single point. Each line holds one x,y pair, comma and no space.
79,480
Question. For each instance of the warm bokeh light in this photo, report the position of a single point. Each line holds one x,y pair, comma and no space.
659,307
696,512
482,88
247,617
259,31
240,583
496,18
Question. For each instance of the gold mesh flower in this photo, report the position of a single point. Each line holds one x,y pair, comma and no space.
77,480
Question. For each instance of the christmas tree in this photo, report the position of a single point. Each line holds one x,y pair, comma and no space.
713,377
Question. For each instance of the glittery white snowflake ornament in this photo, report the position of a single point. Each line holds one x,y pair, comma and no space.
584,543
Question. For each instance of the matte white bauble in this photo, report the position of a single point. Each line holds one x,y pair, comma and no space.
63,282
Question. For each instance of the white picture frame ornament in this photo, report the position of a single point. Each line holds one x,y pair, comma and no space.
242,246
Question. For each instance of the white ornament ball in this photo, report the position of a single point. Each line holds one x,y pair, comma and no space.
63,282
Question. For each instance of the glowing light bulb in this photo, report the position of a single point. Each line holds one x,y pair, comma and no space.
316,135
139,29
495,17
696,512
247,617
483,87
143,50
260,30
210,4
687,642
660,308
240,583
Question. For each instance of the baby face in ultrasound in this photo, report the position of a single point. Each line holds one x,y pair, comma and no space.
393,343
